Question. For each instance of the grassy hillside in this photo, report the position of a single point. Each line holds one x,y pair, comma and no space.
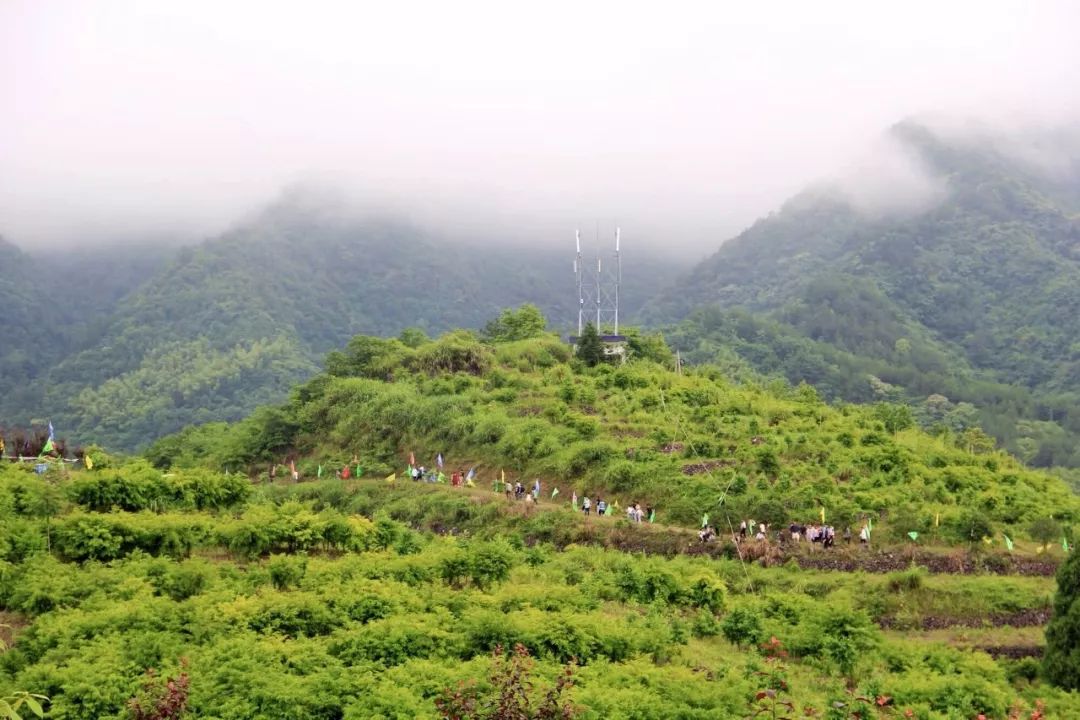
685,444
971,298
362,598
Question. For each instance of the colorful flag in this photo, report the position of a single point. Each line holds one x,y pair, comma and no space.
469,475
391,477
318,473
503,476
823,513
359,470
988,540
913,535
440,477
49,447
705,520
870,524
1008,543
90,463
469,482
438,461
652,516
616,504
573,499
554,493
937,519
608,510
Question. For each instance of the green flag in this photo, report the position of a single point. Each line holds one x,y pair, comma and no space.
1008,542
608,510
913,535
49,447
441,478
870,524
652,516
554,493
573,501
359,470
1065,544
318,473
705,520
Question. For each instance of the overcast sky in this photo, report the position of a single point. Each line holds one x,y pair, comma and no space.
683,121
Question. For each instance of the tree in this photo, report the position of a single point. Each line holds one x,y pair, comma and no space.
1044,530
894,416
590,348
524,323
513,695
1061,661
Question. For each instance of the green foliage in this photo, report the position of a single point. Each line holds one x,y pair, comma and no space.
522,324
590,349
1061,661
742,626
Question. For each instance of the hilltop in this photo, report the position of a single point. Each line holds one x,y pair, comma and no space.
684,443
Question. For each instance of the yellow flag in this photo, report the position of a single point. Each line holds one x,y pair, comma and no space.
823,514
937,519
503,473
89,462
391,477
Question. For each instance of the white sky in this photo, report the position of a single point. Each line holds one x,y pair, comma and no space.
684,121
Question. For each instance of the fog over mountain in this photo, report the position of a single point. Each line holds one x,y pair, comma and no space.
174,120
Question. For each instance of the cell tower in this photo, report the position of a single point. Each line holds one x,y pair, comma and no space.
598,289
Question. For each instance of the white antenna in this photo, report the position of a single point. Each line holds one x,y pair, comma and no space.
597,290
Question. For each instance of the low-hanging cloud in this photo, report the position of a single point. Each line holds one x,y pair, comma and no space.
681,122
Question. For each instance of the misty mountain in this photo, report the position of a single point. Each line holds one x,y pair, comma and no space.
233,323
974,297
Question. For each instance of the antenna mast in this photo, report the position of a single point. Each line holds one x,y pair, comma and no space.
596,291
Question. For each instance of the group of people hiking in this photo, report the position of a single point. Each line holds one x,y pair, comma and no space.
634,511
814,533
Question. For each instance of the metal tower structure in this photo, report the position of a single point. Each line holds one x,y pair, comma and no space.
598,289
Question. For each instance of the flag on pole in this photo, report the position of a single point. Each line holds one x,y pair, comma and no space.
391,477
705,520
822,513
554,493
412,459
52,435
90,463
438,461
652,516
1064,544
318,473
616,504
913,535
870,524
359,470
469,475
937,519
441,477
502,476
1008,542
573,499
49,447
608,510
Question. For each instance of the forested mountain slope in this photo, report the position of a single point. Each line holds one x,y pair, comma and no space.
236,321
973,293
